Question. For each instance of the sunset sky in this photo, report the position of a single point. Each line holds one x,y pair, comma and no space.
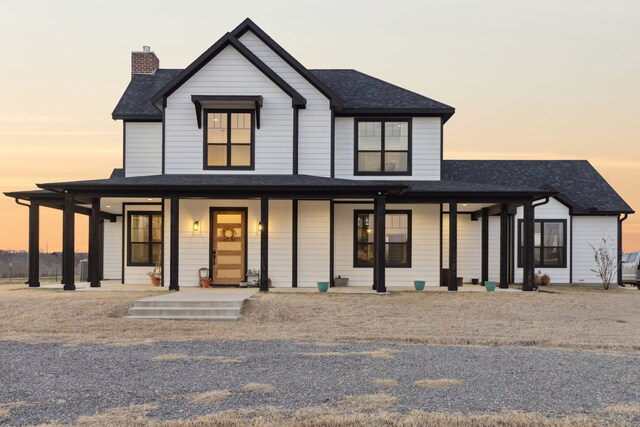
529,80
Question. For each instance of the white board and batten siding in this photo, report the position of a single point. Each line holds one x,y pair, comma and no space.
229,73
589,231
314,121
136,275
425,150
112,250
143,148
425,253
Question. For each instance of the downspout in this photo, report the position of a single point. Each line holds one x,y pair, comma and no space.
619,264
21,203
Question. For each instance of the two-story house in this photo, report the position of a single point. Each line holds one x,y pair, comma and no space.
247,160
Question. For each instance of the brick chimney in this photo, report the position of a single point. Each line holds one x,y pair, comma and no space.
144,62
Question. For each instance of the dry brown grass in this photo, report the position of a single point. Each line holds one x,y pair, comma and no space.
623,408
570,317
208,397
385,382
258,388
439,383
382,353
181,356
6,408
370,401
132,416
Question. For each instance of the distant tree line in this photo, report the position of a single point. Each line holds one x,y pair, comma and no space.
16,263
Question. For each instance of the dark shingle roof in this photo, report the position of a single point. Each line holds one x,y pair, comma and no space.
362,91
577,182
135,102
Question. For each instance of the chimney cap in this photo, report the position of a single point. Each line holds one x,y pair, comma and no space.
146,49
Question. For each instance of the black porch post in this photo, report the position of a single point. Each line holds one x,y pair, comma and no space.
504,247
528,248
379,262
453,246
34,245
294,243
174,253
68,243
264,244
485,245
94,244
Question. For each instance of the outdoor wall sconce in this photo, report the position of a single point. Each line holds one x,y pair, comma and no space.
196,226
260,226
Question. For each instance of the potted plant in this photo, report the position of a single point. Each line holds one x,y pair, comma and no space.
340,281
155,274
490,286
545,279
419,285
323,286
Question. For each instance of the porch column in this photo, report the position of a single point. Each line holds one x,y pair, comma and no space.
174,253
94,244
485,245
453,246
264,244
528,263
294,243
68,243
34,245
504,247
379,225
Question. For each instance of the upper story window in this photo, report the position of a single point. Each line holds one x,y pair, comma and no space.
144,238
550,243
382,147
229,139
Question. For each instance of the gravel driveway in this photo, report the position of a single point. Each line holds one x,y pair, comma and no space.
65,382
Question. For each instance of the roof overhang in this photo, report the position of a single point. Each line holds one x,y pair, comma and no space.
219,101
444,113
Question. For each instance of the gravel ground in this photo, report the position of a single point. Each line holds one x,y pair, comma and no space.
64,382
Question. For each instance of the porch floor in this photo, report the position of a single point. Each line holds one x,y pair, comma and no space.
368,290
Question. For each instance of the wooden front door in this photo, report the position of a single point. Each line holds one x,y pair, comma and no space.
228,245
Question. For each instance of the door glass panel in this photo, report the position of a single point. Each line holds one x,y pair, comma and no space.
229,259
229,218
625,258
228,273
229,246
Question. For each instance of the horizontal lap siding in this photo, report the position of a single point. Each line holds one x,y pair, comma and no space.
136,275
590,230
314,130
552,210
469,246
143,148
425,251
425,149
229,73
112,250
313,242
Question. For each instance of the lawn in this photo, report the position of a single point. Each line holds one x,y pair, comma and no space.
560,317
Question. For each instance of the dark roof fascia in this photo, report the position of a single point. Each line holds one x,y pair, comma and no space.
445,114
34,194
249,25
130,118
227,40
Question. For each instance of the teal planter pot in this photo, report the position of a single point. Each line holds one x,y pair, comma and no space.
419,285
323,286
490,286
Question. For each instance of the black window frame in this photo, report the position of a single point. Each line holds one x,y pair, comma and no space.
150,243
542,246
382,150
205,147
360,264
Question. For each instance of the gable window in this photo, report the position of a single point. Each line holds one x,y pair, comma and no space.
229,139
550,243
382,147
397,239
144,238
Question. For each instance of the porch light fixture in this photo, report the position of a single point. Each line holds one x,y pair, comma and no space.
260,227
196,226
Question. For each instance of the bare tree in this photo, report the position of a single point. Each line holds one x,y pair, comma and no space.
606,262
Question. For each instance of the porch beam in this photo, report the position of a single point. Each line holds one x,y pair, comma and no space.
495,210
264,244
453,246
379,262
174,244
504,247
68,243
94,244
528,263
34,245
485,245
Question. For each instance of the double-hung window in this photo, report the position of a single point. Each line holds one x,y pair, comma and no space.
397,239
228,139
145,238
382,147
550,243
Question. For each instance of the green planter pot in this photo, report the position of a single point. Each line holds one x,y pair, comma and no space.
323,286
490,286
419,285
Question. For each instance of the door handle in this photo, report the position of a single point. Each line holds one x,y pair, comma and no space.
214,257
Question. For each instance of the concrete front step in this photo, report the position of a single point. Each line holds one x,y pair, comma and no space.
221,313
194,304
